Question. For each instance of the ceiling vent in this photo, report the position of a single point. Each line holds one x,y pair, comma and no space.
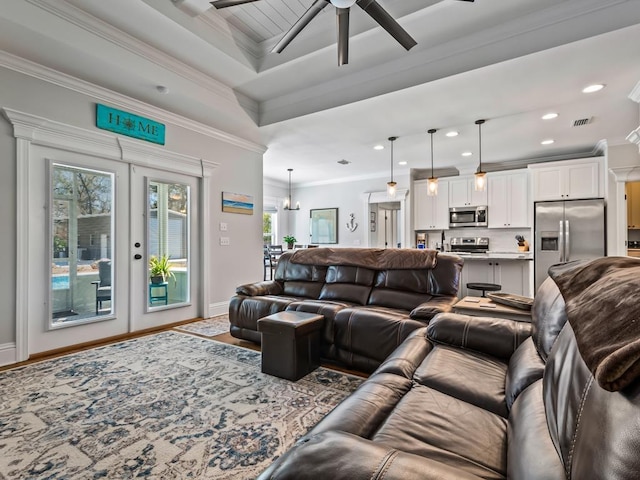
344,162
582,121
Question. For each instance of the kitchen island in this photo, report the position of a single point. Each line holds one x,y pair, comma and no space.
512,270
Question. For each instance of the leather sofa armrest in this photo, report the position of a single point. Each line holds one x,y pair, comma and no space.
428,310
343,456
499,337
260,288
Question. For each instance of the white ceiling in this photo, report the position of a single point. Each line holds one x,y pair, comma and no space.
506,61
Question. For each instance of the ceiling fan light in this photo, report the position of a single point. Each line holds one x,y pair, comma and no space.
343,3
432,187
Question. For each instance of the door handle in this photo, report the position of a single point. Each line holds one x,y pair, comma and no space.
137,256
567,246
561,240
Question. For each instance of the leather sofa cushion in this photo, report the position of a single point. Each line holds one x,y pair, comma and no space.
416,281
431,424
342,456
435,305
494,336
525,367
387,297
362,412
244,312
302,289
325,308
349,292
445,279
371,332
287,271
531,452
548,316
469,376
405,359
354,275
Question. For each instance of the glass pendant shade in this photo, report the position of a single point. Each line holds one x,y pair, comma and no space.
432,182
481,180
432,187
391,185
391,189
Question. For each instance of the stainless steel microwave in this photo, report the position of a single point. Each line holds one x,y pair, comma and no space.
468,217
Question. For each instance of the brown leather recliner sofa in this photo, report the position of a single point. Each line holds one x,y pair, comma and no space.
476,397
371,299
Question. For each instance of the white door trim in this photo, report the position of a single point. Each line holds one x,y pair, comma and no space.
622,175
34,130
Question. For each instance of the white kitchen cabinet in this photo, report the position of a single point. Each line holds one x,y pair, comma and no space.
508,195
430,213
513,275
462,193
568,180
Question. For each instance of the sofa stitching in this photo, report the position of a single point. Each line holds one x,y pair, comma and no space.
465,332
583,399
384,465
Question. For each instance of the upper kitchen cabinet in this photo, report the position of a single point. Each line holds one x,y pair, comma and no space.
508,205
462,193
430,213
568,180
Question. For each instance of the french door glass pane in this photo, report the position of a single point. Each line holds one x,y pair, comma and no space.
81,244
168,243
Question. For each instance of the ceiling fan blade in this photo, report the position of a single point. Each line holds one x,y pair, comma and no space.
342,17
386,21
230,3
302,22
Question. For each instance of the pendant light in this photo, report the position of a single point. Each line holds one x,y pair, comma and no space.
391,185
432,182
287,202
481,177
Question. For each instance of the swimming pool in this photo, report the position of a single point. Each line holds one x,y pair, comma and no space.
60,282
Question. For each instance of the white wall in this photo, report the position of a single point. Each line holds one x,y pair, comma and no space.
348,197
240,171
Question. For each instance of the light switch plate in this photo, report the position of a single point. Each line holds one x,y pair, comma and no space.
224,226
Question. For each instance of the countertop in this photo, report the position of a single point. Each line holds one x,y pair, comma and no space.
491,255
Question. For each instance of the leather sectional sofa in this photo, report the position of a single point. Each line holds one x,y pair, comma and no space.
371,299
477,397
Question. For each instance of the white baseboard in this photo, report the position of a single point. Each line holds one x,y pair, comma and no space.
219,308
7,354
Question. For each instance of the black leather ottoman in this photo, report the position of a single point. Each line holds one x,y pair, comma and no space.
290,343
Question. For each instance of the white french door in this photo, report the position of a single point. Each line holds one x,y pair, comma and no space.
164,227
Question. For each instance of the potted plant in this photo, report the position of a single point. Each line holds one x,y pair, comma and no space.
289,240
160,269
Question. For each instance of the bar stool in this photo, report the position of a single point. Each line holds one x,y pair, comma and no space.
485,287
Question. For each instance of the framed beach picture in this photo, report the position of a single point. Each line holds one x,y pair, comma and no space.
237,203
324,225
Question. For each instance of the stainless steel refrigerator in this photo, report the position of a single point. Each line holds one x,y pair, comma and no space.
567,230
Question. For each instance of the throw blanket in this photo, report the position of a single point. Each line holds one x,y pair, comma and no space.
603,306
374,258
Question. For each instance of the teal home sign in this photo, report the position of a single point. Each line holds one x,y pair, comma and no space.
126,123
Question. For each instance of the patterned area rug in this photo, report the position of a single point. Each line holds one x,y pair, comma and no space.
165,406
209,327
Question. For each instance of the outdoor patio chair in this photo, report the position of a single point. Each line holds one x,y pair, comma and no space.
103,286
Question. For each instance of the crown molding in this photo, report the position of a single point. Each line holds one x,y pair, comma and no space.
95,26
83,87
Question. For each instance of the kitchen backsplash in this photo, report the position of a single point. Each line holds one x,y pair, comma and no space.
500,240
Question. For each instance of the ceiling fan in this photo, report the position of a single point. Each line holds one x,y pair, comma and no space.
343,7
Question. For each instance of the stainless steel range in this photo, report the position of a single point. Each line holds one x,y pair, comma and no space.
470,244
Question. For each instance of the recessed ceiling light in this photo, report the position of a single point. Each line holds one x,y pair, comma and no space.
547,142
466,154
550,116
452,133
402,162
379,147
593,88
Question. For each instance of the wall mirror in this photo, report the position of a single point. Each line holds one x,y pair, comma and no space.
324,225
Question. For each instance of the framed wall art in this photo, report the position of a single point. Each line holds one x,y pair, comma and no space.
323,225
